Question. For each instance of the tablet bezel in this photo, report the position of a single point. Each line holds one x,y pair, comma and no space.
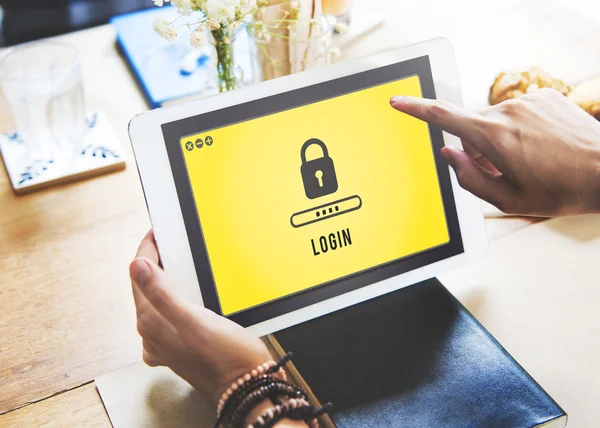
164,207
177,133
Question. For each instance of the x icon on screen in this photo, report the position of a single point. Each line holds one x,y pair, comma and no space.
189,146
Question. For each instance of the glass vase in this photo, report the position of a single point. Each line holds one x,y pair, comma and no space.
228,75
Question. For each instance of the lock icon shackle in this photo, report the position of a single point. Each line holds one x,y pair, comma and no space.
318,175
309,143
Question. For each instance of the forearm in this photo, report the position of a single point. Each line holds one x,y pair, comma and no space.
263,407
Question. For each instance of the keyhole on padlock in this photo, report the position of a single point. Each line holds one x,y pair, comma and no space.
319,175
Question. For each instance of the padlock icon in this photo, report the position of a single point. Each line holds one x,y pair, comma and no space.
318,175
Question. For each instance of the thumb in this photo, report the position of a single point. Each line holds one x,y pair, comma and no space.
154,285
494,189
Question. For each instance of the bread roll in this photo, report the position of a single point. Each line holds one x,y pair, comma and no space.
513,85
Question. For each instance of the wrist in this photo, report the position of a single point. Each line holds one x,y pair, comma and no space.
263,397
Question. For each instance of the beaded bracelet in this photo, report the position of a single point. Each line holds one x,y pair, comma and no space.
240,382
235,399
271,416
250,401
268,380
296,410
270,367
243,390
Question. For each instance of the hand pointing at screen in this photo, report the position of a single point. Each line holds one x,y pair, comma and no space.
538,155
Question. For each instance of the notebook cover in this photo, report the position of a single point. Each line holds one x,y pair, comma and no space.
162,68
415,358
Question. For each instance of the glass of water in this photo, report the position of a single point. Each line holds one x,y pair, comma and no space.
42,82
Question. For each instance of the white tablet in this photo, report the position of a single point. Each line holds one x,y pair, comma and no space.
287,200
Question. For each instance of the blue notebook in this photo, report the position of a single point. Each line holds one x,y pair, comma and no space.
415,358
171,71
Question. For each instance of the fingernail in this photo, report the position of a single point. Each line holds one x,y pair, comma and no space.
141,271
396,99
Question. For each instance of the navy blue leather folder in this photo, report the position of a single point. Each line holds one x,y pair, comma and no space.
415,358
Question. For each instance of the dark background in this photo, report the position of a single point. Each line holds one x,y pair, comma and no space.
26,20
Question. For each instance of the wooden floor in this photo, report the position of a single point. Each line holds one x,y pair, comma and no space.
67,313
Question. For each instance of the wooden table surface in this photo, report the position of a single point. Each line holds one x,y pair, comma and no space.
66,310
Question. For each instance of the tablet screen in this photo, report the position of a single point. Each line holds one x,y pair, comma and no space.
330,193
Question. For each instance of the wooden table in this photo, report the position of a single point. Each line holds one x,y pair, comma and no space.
66,310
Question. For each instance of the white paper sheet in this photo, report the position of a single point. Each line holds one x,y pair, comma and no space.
140,396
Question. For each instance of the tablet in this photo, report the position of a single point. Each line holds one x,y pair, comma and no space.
293,198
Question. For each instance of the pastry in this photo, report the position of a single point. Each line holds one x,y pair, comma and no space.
514,85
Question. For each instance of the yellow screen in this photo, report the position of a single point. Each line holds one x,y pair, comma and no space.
273,227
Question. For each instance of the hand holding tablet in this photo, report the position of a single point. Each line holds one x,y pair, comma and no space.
282,202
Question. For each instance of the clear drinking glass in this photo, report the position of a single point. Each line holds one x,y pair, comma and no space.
42,82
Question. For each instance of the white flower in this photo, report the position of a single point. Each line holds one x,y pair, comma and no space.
213,25
184,7
234,26
341,28
164,29
198,37
246,6
159,3
222,12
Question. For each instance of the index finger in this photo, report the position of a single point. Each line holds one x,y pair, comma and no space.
450,118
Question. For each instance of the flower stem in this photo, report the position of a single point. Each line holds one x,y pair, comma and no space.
225,63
